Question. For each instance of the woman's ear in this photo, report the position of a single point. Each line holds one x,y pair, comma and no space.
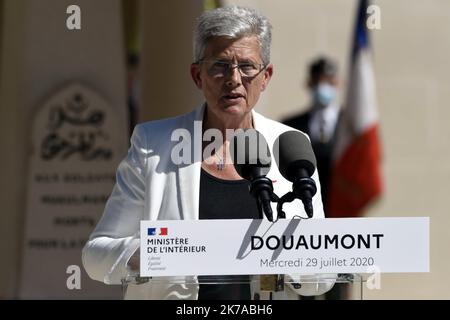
267,75
195,74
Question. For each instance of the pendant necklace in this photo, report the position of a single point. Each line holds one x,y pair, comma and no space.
220,163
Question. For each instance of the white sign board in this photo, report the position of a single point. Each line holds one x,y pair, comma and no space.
227,247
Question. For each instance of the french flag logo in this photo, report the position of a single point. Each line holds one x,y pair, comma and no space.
157,231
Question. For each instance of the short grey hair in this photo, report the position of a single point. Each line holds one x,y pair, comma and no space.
233,23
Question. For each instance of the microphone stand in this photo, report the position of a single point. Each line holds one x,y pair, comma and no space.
262,189
303,189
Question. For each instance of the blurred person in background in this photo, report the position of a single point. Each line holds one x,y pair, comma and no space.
320,119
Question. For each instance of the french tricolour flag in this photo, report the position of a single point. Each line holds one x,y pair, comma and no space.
157,231
356,177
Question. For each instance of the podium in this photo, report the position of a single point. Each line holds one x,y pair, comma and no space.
313,256
242,287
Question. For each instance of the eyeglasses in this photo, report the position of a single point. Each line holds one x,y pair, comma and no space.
221,68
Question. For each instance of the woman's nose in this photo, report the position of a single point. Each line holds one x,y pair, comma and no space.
233,77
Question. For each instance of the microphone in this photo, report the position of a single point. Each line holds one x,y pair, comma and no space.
297,162
252,160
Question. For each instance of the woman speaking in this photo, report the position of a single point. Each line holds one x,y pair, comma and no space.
158,182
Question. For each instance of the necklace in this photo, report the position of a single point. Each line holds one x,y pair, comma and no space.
220,165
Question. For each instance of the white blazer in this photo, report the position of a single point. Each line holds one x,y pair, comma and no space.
150,186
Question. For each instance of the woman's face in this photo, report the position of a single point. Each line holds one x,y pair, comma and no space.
228,94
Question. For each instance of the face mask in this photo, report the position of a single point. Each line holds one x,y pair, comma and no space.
324,94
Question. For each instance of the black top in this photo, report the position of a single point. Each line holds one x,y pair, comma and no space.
225,199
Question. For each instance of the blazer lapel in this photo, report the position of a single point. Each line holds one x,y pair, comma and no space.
189,174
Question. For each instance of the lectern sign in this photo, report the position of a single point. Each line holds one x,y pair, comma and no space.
222,247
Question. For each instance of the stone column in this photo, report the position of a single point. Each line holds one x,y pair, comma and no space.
167,88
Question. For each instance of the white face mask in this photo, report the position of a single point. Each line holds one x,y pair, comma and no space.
324,94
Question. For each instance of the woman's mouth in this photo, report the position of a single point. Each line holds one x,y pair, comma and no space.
233,98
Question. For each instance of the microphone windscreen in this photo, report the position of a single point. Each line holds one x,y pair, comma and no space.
250,153
292,150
